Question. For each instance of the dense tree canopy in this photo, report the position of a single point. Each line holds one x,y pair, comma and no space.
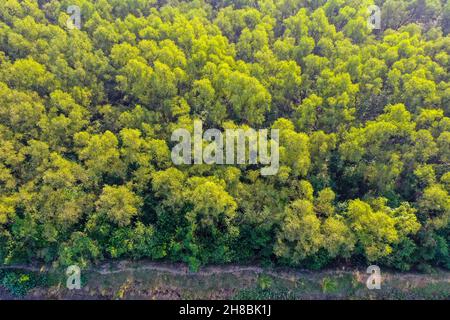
86,118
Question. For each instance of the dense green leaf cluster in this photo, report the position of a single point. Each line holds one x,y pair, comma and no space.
86,118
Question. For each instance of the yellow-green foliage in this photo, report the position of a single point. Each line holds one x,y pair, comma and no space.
86,118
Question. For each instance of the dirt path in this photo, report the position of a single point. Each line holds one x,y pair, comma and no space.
183,270
158,280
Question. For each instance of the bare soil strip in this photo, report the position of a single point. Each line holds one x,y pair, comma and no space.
157,280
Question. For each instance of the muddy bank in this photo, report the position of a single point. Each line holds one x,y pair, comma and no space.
150,280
